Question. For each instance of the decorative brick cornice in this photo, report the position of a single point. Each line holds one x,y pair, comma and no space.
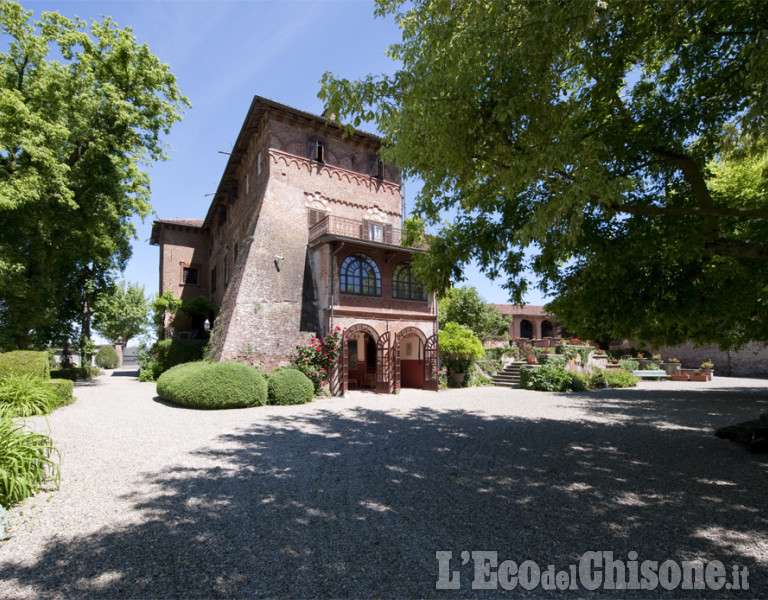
331,171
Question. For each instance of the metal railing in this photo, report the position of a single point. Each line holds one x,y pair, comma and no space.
371,231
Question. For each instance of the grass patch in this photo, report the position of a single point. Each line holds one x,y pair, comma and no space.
26,462
26,396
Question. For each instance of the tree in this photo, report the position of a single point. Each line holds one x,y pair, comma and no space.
122,312
458,347
82,110
465,306
579,141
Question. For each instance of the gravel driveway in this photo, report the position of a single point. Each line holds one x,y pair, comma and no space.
353,497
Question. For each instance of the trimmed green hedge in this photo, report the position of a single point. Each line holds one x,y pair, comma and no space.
25,362
75,373
107,358
63,389
213,385
289,386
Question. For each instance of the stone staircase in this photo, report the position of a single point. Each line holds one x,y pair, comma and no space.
509,376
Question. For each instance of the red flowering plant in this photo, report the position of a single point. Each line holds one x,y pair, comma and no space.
318,358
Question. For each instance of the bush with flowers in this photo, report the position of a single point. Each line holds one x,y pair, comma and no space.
318,358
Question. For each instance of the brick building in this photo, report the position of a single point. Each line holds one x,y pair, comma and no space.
530,321
303,236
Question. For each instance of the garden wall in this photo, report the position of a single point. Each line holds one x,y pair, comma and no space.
750,361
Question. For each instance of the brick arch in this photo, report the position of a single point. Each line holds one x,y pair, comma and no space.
410,372
361,327
357,328
409,331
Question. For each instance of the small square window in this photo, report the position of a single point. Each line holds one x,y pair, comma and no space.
189,275
317,150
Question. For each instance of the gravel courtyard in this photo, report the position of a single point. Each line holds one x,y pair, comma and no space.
353,497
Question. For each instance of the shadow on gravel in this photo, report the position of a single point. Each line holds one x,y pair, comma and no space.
331,504
124,373
702,408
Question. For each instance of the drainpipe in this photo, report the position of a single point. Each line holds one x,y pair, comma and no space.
333,290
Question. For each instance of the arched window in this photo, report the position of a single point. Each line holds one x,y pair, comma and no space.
405,286
526,329
360,275
546,329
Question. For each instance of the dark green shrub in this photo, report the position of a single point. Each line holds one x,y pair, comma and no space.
26,396
166,354
25,362
106,358
26,461
552,378
76,373
620,379
63,389
213,385
289,386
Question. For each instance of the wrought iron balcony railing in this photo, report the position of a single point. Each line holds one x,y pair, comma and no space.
370,231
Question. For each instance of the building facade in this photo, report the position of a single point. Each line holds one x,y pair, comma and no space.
530,321
304,235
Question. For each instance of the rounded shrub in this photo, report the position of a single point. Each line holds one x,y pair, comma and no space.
289,386
213,385
106,358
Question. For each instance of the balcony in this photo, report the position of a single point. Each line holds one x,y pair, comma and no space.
369,231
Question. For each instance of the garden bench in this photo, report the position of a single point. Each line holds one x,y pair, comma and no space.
648,374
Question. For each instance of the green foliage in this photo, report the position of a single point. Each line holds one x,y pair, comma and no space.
289,386
26,396
628,364
213,385
465,306
122,311
26,462
459,346
615,151
106,358
616,378
25,362
63,388
552,378
76,373
84,107
318,358
165,354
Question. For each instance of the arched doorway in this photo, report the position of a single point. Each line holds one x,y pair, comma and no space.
526,329
547,330
359,358
411,343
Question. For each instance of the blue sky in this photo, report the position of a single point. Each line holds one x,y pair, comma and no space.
223,52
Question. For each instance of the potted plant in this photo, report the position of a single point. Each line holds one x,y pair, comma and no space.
697,375
679,376
708,367
459,346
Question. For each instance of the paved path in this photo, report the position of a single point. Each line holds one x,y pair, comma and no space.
353,497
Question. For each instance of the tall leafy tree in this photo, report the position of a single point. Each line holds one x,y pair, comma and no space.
463,305
579,141
82,110
122,312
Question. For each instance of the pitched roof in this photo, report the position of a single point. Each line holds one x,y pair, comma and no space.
186,222
527,310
